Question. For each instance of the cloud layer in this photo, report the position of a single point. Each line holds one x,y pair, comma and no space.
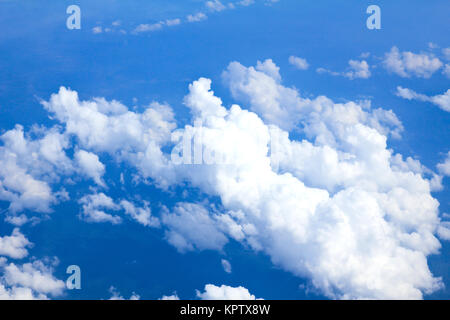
337,207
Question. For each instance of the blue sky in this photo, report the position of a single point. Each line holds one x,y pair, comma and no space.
108,58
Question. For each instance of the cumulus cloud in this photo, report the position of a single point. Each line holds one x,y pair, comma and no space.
338,206
261,89
358,69
15,245
108,126
343,210
298,62
441,100
29,281
212,292
407,64
172,297
29,165
22,190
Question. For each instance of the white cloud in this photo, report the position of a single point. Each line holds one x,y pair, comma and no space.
190,227
446,70
323,70
172,22
204,103
246,3
356,70
19,293
298,62
212,292
196,17
29,281
262,91
15,245
444,230
432,45
407,64
90,166
145,27
282,106
115,295
97,30
19,219
343,210
94,207
226,266
441,100
444,167
446,52
22,190
28,166
141,215
103,126
215,5
338,207
172,297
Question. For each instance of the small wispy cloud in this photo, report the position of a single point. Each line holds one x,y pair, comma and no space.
440,100
97,30
226,266
173,22
357,69
298,62
197,17
215,5
211,5
148,27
